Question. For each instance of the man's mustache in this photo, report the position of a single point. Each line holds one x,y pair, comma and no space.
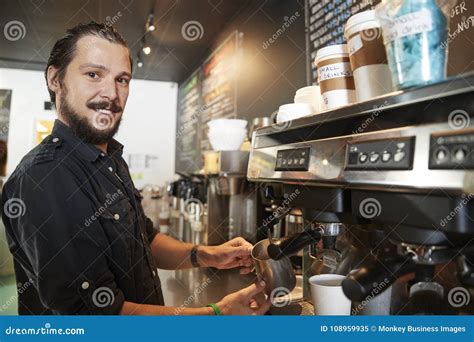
107,105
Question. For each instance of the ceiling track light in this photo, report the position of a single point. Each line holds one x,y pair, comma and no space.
145,47
150,23
139,61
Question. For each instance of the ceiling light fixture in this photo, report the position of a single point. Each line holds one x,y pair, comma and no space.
146,50
150,23
139,61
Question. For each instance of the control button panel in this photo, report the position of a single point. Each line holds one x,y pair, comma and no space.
390,154
296,159
452,151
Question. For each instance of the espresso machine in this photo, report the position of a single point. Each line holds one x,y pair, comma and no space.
386,190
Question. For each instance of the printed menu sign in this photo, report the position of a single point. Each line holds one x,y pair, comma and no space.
325,22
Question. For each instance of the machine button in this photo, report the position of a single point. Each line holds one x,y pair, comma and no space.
302,160
284,162
362,157
460,153
441,154
290,162
295,161
374,156
399,156
386,156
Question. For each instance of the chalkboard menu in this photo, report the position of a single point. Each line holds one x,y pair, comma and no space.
219,88
210,93
187,131
325,22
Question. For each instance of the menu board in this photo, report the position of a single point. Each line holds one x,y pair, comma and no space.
219,86
187,125
210,93
325,22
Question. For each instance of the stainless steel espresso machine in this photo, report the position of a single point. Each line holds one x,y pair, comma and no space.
386,191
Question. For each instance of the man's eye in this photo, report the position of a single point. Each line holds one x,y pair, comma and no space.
123,81
93,75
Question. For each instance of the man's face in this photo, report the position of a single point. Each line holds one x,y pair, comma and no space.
94,91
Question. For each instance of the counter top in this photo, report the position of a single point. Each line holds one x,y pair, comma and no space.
198,287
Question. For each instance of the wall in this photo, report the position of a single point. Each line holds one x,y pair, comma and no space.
148,125
273,61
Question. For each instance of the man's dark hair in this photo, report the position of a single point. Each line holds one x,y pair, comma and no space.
64,49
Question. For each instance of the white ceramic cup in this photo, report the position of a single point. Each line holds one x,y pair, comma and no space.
328,298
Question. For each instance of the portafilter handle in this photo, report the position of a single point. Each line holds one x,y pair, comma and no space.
292,244
375,277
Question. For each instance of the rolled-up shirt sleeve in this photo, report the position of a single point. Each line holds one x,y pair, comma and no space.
63,253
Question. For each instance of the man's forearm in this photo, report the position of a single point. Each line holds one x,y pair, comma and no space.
171,254
130,308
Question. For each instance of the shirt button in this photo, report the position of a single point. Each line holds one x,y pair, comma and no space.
116,217
154,274
55,140
85,285
102,154
110,169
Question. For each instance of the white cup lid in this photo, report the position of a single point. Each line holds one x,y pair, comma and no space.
329,51
360,21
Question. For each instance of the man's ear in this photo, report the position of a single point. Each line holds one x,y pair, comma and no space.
53,79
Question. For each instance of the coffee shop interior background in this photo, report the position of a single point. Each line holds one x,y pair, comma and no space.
195,62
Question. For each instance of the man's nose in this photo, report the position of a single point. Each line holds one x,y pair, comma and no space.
109,90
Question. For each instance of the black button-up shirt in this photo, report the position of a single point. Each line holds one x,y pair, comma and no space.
77,230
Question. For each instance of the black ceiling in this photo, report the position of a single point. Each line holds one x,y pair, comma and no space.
172,57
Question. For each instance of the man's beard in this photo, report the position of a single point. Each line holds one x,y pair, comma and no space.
101,130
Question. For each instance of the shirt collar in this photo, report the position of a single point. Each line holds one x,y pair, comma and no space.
88,151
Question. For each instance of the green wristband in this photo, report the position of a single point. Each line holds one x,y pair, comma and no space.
216,309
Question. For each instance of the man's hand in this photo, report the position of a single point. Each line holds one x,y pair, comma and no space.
244,302
233,253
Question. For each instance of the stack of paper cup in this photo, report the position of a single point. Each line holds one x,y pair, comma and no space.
310,95
293,111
